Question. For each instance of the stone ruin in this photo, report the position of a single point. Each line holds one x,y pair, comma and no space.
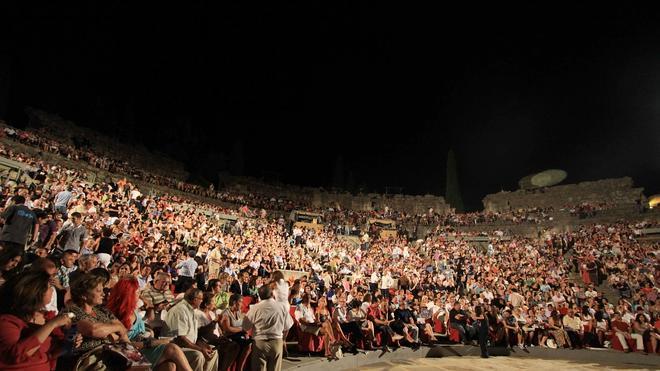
618,192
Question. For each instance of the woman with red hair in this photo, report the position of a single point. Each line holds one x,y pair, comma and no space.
123,303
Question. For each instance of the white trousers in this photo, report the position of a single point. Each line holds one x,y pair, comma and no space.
638,338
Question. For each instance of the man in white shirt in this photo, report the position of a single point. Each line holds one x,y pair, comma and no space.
186,271
373,282
268,320
183,325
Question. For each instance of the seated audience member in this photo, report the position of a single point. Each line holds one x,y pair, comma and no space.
458,321
183,325
157,296
622,332
123,303
96,324
210,331
27,340
10,259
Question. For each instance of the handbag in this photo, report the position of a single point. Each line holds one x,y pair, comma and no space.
91,361
125,357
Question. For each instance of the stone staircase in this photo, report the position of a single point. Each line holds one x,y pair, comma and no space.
612,295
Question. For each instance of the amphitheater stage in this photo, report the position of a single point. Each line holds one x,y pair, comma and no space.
459,357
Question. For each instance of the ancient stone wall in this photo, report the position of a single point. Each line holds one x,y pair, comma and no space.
372,201
614,192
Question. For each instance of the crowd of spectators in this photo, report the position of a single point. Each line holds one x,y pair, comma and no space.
164,274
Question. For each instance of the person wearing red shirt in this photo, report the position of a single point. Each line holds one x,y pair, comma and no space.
26,341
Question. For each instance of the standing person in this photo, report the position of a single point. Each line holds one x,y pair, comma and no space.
62,201
267,320
214,259
482,327
20,225
73,233
186,271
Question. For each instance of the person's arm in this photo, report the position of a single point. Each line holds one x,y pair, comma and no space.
50,241
35,231
6,214
99,330
184,342
248,324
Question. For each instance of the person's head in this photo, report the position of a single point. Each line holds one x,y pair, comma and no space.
69,258
161,281
26,294
88,290
124,270
41,252
277,276
214,286
18,200
76,218
44,265
208,303
10,259
146,270
123,299
235,302
265,292
102,273
188,284
367,298
194,297
87,262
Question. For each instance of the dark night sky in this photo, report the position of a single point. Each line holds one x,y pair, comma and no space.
390,89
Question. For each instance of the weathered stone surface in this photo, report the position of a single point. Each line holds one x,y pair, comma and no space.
372,201
618,191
